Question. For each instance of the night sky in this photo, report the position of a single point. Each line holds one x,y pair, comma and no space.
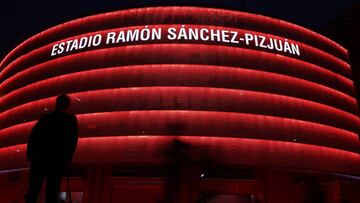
21,19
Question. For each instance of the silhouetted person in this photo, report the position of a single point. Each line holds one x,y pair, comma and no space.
50,148
178,157
314,193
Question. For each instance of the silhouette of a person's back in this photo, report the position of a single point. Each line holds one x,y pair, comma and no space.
50,148
178,157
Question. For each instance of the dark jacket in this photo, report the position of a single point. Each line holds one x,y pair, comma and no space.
53,139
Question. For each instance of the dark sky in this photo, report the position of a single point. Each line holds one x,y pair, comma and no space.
21,19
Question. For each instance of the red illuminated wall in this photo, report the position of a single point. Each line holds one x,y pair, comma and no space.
242,105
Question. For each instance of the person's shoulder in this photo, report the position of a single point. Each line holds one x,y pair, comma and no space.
71,116
62,115
72,119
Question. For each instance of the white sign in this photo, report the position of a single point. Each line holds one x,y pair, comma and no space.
181,34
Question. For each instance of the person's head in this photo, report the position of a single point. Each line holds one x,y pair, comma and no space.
63,102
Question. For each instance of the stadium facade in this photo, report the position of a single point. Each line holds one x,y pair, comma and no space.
270,105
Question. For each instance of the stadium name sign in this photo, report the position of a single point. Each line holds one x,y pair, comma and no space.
181,34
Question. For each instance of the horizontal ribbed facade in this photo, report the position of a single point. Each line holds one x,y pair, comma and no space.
242,105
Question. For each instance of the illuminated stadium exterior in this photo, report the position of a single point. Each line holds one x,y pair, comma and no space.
257,95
